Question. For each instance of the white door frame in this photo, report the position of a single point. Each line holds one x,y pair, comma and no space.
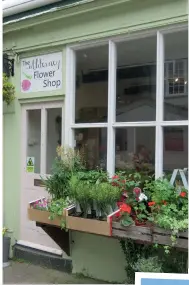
28,178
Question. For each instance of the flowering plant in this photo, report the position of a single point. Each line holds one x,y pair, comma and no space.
133,197
169,208
41,205
125,211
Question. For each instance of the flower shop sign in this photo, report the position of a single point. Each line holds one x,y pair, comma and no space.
41,73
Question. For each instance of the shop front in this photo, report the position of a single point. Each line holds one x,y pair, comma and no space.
109,78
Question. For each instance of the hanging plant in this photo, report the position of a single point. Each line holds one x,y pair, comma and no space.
8,90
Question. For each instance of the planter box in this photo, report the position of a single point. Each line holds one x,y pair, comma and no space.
91,226
41,216
162,236
132,232
149,234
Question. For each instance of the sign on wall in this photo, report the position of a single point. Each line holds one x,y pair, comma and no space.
30,164
161,278
41,73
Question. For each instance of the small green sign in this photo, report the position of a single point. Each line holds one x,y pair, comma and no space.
30,164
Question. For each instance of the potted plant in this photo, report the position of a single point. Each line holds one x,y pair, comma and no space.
169,208
81,194
6,247
125,215
105,197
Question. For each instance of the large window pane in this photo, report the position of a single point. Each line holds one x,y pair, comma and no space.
91,85
175,148
93,143
176,76
54,133
135,149
34,138
136,80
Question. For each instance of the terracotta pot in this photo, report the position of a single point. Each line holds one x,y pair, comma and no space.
138,223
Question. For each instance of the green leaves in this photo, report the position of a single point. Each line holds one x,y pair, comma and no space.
150,264
103,194
126,220
160,190
93,176
8,90
67,163
81,193
56,208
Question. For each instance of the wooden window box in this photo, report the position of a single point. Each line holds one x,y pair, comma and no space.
149,234
109,227
91,226
42,216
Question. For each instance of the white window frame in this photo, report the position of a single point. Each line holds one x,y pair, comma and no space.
111,124
167,94
43,107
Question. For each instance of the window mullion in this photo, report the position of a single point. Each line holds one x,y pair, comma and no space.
70,97
159,105
111,107
43,140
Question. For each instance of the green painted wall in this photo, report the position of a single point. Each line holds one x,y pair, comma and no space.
98,257
95,256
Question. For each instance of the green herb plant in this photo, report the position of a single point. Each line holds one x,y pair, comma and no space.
105,197
81,193
56,209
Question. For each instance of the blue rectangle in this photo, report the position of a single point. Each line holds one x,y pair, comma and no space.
153,281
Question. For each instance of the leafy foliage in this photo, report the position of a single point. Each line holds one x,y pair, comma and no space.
93,176
81,193
170,210
148,258
8,90
159,190
56,209
141,212
67,163
133,251
106,196
150,264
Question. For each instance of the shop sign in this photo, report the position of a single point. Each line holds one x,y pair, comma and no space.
41,73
